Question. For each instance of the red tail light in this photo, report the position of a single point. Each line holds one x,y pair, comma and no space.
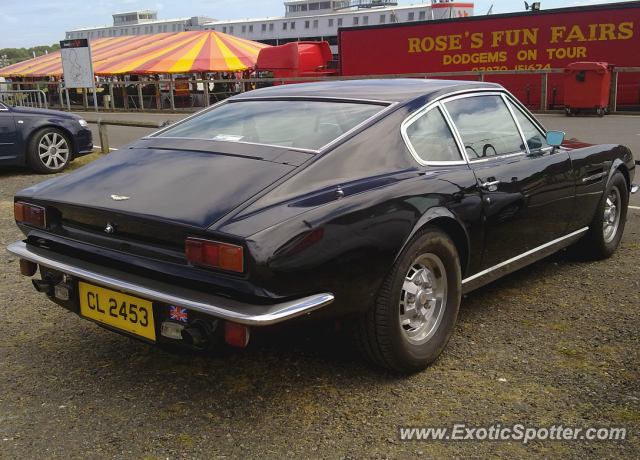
214,254
236,334
30,214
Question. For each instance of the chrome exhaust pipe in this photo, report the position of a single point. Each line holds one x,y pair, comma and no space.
197,335
44,286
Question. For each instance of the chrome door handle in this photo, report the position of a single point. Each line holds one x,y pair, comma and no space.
490,184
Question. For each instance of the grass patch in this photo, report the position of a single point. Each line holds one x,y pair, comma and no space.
82,161
185,439
626,414
569,351
559,327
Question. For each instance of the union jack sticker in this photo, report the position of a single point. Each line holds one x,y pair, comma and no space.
178,313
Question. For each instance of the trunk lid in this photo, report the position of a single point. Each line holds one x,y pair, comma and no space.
187,188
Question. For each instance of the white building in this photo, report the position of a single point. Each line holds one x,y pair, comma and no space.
143,22
304,20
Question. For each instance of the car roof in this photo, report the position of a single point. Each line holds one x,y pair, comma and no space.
389,90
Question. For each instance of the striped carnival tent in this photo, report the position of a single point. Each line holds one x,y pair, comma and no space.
166,53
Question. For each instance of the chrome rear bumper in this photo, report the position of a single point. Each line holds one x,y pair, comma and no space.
220,307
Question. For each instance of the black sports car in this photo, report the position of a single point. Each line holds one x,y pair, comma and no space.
381,202
46,140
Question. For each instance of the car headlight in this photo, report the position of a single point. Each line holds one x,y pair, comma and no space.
82,122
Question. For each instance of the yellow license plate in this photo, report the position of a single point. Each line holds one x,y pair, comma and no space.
119,310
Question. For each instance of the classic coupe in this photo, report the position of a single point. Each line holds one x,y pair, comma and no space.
379,203
45,140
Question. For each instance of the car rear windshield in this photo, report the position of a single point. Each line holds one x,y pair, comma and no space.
288,123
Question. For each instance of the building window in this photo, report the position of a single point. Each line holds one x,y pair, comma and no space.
315,23
224,30
284,26
293,25
325,5
314,6
382,18
244,29
339,22
231,29
306,24
250,28
365,20
264,27
173,27
330,22
355,20
411,16
164,28
271,27
422,15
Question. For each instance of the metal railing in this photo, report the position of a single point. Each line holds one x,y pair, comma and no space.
539,89
102,129
24,98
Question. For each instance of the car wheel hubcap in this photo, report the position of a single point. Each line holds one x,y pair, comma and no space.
611,215
422,299
53,150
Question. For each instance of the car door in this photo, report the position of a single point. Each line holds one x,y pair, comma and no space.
527,187
8,135
447,182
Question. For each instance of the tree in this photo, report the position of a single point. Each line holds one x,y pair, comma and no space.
22,54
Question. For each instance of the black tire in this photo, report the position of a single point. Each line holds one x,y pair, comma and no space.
568,113
381,335
49,151
600,113
597,243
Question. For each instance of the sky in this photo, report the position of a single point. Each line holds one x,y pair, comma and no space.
44,22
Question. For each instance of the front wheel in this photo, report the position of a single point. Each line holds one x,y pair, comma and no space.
607,226
415,311
48,151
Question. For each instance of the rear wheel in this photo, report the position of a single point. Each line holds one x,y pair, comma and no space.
607,226
48,151
415,311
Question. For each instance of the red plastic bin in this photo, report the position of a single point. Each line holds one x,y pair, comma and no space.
587,86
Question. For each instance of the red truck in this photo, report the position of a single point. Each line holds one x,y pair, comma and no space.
545,39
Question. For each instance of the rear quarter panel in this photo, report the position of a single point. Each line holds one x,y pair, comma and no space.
588,161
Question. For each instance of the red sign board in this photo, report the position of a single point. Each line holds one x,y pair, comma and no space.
549,39
534,40
182,89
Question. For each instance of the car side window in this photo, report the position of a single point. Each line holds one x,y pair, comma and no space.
535,139
432,139
485,126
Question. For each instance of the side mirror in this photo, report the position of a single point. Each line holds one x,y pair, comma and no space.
555,138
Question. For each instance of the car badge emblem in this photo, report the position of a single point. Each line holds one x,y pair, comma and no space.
119,198
111,228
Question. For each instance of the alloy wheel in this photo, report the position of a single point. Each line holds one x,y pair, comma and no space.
423,298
